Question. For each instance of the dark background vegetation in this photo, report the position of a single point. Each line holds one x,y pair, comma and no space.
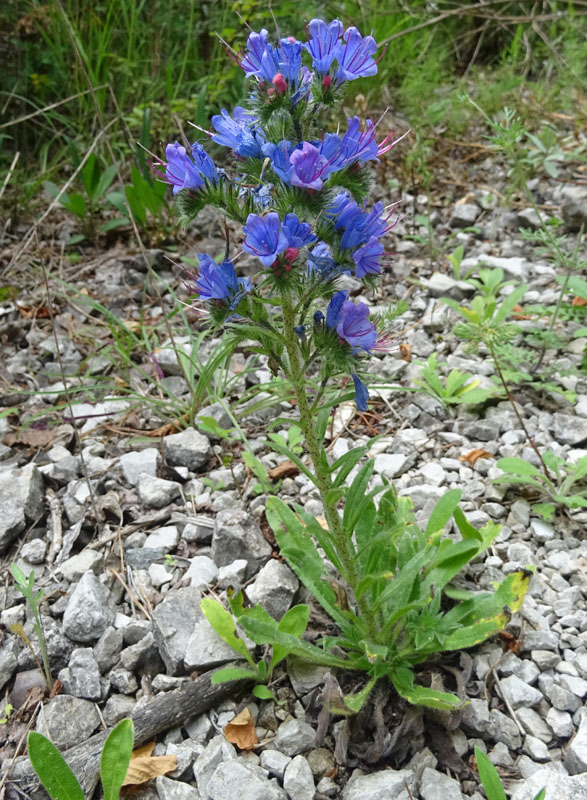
145,67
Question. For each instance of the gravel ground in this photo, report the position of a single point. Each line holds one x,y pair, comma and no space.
125,559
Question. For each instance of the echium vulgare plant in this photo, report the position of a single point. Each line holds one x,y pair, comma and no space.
301,195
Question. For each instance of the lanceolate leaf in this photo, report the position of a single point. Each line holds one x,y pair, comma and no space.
403,680
223,623
116,758
52,769
489,776
443,511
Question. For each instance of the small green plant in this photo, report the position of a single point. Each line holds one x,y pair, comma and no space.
145,197
265,485
404,574
491,781
294,440
566,489
8,709
458,387
57,777
96,180
26,587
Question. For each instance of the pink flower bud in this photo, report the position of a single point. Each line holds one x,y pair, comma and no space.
279,83
291,254
326,82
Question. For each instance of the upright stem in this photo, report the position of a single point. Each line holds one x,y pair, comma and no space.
517,413
323,482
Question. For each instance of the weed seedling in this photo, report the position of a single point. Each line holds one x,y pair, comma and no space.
27,589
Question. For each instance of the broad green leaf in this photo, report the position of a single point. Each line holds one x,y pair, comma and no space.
322,423
103,184
52,769
466,530
443,511
403,680
116,758
489,776
475,634
224,625
519,466
486,606
299,551
346,463
356,498
233,674
541,794
399,588
263,693
451,559
294,622
268,633
580,469
76,204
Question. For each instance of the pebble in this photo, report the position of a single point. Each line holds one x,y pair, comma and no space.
87,561
274,762
576,756
294,737
68,720
558,786
387,784
81,677
90,610
237,778
238,536
168,789
438,786
21,501
143,461
518,693
274,588
189,449
156,492
202,572
298,780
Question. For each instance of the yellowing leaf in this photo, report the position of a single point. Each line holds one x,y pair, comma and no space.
143,768
241,731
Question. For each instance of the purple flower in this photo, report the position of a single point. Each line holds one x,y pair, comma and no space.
264,237
367,257
320,260
279,155
257,46
180,171
309,167
355,145
361,393
204,163
355,56
363,226
351,322
241,134
219,282
323,42
299,234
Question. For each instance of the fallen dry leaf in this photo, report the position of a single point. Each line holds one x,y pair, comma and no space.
579,301
144,767
473,455
36,437
241,731
405,350
518,312
287,469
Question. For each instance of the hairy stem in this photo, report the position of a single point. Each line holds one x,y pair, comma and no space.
323,482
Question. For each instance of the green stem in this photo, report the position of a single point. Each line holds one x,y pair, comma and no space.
323,482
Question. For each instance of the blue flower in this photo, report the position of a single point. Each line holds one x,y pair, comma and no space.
320,260
361,393
334,308
309,167
323,42
264,237
367,257
241,134
355,56
204,163
362,227
299,234
219,282
289,55
279,155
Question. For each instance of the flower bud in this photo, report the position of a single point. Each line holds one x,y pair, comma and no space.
279,83
291,254
326,82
